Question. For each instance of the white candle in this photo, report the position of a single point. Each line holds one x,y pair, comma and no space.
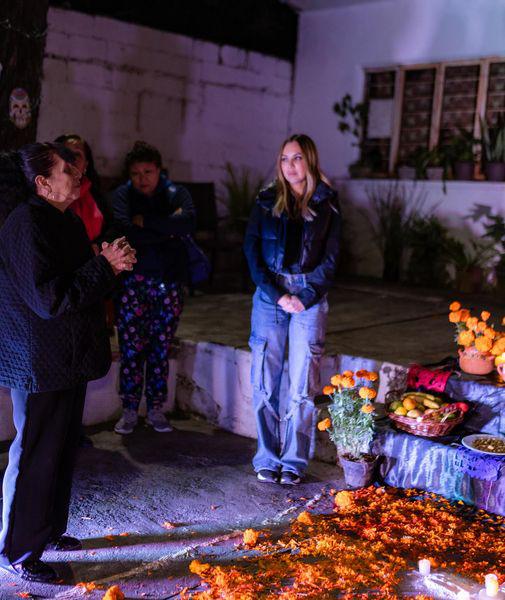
491,582
463,595
424,566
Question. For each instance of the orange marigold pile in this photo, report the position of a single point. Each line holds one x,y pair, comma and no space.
373,536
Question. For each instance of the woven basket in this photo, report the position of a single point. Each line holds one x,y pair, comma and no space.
425,428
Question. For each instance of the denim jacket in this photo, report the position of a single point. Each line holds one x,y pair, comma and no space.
265,242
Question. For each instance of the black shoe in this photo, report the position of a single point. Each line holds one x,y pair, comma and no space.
290,478
267,476
36,570
64,543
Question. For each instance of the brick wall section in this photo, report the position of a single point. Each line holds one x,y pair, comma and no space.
201,104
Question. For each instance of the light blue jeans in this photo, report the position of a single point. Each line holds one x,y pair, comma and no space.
285,426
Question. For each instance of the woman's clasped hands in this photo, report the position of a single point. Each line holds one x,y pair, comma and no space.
290,304
120,254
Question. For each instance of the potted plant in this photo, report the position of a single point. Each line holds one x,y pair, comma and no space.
414,165
241,189
461,154
481,341
392,209
352,120
436,163
470,263
493,142
351,424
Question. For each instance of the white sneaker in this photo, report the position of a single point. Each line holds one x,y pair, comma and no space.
127,422
158,421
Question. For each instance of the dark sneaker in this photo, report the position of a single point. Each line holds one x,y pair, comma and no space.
158,421
36,570
127,422
64,543
290,478
267,476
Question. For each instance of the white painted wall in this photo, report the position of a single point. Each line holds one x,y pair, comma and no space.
199,103
336,44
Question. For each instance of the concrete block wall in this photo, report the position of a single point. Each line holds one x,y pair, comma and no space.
200,103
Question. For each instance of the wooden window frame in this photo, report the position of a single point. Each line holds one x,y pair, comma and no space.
436,113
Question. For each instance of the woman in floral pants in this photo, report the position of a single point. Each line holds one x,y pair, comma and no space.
157,214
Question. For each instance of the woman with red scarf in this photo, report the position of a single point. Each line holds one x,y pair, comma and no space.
91,206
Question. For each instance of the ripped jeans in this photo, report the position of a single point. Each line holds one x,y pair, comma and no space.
285,426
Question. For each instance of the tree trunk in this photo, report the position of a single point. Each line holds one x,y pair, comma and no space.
23,25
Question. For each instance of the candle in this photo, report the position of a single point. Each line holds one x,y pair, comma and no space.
491,582
463,595
424,566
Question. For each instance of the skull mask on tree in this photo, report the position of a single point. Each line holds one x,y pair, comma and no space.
20,112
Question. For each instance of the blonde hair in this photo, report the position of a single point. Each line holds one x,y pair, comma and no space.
314,174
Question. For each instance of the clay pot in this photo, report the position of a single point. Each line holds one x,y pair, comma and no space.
495,171
474,362
463,170
358,473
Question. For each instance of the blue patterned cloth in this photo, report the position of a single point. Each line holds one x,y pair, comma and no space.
481,466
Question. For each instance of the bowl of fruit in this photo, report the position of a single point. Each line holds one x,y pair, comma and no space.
425,414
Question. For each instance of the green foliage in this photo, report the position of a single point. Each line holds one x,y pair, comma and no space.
430,245
353,117
462,147
352,430
393,207
241,187
493,140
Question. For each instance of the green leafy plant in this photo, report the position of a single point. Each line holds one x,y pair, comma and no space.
493,140
470,262
462,147
241,188
353,119
351,425
429,243
392,208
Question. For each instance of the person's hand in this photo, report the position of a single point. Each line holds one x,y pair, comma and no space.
120,254
138,220
290,304
296,305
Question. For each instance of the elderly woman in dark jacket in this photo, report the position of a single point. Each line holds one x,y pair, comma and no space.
53,341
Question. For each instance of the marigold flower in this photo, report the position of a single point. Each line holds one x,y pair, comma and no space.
483,344
305,518
471,322
490,333
362,373
464,315
455,317
336,380
199,568
348,382
114,593
367,408
454,306
344,499
372,376
251,537
367,393
503,321
466,338
484,315
328,390
481,326
347,374
324,424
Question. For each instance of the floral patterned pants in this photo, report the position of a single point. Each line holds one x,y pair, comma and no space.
148,311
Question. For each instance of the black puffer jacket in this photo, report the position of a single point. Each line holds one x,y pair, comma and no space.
265,243
52,322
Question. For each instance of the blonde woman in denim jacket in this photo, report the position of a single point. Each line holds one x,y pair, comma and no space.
291,245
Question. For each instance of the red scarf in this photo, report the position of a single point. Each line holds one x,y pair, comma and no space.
85,207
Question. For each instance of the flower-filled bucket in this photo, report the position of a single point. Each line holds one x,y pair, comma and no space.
474,362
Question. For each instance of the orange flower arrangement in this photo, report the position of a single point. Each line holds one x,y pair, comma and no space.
477,333
351,424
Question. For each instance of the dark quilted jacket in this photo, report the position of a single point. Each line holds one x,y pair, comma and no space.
52,323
